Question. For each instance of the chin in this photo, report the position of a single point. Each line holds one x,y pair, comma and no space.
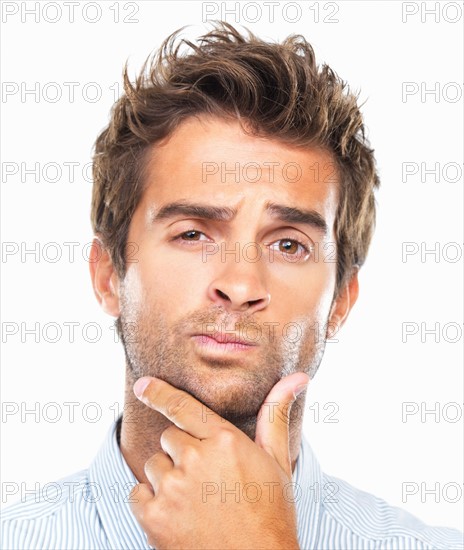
233,400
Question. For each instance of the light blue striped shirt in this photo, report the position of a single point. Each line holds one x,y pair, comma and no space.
90,510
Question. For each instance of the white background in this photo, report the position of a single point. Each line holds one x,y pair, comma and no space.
370,372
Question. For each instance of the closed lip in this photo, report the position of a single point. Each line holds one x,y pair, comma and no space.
226,338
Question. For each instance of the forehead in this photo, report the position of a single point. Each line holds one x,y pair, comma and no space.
213,159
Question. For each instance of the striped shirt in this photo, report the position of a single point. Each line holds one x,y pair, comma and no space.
90,510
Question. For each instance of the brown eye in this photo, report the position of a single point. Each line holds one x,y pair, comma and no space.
191,235
288,246
292,248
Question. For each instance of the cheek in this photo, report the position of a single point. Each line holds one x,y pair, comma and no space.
304,290
165,280
132,286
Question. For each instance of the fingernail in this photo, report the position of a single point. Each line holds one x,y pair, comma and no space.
140,385
300,388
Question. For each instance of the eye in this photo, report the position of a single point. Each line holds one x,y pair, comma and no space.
191,235
293,248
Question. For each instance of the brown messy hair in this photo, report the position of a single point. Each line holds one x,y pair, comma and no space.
275,90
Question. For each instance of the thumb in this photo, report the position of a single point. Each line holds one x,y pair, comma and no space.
272,427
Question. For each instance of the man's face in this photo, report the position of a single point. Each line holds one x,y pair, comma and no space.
247,276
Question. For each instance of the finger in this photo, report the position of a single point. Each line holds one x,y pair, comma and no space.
176,443
139,498
179,407
272,427
156,467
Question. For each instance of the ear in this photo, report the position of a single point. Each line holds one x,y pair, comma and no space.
342,304
105,280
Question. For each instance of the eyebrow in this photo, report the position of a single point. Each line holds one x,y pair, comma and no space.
288,214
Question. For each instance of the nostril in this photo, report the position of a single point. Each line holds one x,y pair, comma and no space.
222,295
262,302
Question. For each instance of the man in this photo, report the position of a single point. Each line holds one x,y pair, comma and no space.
233,206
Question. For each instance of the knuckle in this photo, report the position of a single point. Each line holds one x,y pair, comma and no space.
164,437
176,404
170,431
281,415
170,483
150,516
152,462
191,454
228,438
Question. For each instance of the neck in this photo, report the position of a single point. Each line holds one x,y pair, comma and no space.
141,429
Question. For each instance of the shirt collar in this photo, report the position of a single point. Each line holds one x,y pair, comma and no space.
111,475
308,493
111,481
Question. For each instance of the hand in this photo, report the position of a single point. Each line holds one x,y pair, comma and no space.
212,486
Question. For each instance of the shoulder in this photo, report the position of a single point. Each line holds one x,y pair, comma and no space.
55,515
351,514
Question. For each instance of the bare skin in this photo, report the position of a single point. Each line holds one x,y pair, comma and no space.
222,412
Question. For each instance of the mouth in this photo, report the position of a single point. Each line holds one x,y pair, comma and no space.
221,342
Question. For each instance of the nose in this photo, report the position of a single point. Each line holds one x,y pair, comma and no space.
240,288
